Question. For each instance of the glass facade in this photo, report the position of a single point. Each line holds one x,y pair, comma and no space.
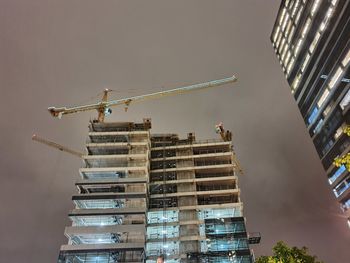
318,73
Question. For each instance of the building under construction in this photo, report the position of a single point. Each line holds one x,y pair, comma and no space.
156,198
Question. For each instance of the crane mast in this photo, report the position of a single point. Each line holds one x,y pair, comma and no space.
103,107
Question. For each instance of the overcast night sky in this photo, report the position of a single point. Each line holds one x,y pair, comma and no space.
63,53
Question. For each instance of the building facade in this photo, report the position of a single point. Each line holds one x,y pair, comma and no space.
312,40
145,197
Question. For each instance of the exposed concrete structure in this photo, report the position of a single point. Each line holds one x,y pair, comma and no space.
143,196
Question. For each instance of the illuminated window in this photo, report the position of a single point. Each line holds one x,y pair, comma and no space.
296,82
278,40
334,2
290,65
276,34
315,7
346,205
342,187
282,16
288,27
306,60
157,232
339,131
285,22
306,27
284,51
323,98
282,45
326,19
291,34
314,42
219,213
217,245
157,248
313,115
336,174
345,101
287,57
298,16
335,77
161,216
346,59
297,48
326,111
318,126
295,8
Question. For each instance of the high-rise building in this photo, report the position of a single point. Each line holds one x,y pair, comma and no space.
312,41
147,197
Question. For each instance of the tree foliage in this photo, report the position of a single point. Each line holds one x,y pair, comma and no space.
284,254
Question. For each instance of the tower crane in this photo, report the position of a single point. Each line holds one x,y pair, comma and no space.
103,107
57,146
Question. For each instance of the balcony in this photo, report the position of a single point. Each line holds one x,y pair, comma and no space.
112,172
113,162
162,189
119,127
163,202
110,200
209,162
215,187
111,188
111,256
105,234
211,200
107,220
104,137
186,143
209,175
114,159
117,148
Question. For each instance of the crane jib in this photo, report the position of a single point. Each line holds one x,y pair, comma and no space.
58,112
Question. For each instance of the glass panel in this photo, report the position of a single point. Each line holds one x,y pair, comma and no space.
219,213
162,216
313,115
346,59
323,98
335,77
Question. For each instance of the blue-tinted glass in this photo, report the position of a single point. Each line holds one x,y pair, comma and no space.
346,205
313,115
336,174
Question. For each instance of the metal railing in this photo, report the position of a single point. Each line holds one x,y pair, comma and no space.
217,200
208,151
185,142
215,187
207,163
115,164
213,175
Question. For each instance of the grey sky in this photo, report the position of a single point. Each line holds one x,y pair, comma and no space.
61,53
